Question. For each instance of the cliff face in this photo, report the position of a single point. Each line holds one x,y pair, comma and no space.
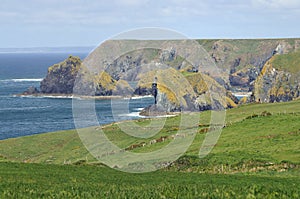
240,60
267,67
61,79
279,80
131,65
177,92
243,59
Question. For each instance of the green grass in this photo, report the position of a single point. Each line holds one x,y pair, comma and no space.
247,136
288,62
19,180
256,156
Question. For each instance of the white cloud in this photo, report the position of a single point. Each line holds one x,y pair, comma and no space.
218,17
277,4
131,2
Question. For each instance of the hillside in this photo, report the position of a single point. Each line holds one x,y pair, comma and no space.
257,156
257,138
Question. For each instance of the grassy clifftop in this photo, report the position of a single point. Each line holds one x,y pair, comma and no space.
288,62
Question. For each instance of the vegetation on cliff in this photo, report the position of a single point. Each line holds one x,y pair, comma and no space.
279,79
194,91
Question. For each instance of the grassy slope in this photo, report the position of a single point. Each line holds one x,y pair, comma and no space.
273,138
264,145
288,62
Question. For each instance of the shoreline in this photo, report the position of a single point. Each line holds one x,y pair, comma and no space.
83,97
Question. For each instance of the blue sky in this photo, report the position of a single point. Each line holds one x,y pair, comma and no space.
40,23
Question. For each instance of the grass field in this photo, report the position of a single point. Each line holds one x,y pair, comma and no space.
19,180
257,155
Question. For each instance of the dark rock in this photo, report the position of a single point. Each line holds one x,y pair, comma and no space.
61,77
31,91
154,110
142,91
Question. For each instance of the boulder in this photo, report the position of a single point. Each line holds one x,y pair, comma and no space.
31,91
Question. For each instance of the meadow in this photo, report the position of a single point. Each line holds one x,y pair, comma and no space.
256,156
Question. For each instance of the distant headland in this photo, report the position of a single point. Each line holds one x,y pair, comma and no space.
260,70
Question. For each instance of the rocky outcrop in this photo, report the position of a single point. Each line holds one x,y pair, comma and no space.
31,91
193,93
244,78
61,79
129,66
279,80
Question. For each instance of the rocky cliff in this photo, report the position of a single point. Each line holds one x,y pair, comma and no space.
181,91
61,79
242,59
239,60
279,80
268,67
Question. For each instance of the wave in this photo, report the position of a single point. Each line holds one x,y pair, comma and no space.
48,96
132,114
137,114
22,80
24,108
138,109
141,97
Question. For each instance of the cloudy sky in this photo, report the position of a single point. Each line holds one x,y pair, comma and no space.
40,23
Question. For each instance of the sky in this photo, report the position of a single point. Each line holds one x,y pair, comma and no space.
55,23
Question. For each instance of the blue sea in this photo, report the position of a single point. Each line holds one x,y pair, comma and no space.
21,116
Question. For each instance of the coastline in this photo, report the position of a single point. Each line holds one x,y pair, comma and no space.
83,97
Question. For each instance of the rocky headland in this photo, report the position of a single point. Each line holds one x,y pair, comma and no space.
267,68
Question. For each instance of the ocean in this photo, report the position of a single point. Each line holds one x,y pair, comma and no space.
21,116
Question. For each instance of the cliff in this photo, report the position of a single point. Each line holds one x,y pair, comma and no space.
61,79
239,60
242,59
279,80
267,67
177,92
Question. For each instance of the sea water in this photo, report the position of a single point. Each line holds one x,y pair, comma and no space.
21,116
